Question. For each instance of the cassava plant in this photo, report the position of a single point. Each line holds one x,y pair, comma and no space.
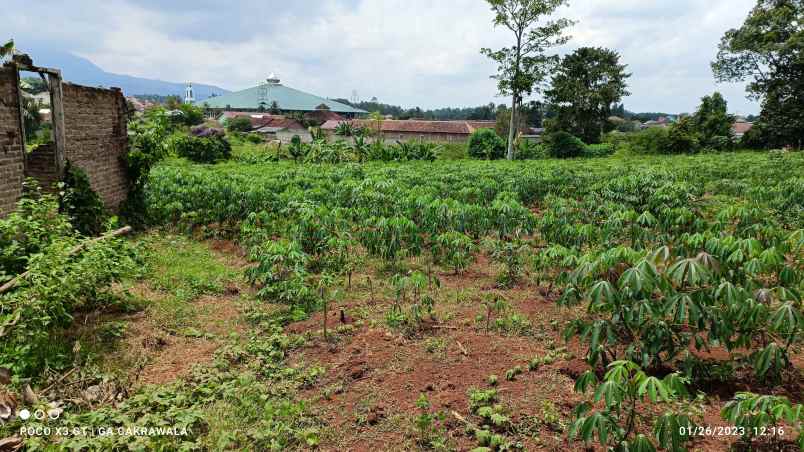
453,249
625,394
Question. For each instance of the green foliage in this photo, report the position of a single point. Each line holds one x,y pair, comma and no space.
419,291
281,272
187,115
563,145
529,150
454,249
6,49
599,150
712,121
653,140
239,124
683,138
485,144
80,203
623,393
525,64
201,149
431,431
349,129
718,297
30,230
766,51
587,83
59,281
391,238
756,416
147,145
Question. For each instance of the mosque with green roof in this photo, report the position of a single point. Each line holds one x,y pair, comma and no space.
273,95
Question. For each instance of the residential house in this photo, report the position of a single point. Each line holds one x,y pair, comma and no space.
272,127
740,128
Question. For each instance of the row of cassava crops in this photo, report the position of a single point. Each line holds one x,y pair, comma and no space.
668,254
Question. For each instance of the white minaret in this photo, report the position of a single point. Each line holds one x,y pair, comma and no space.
188,94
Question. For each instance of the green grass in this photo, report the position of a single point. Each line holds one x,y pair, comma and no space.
181,270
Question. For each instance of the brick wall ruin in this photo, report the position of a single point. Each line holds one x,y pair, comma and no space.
40,165
89,132
96,138
11,155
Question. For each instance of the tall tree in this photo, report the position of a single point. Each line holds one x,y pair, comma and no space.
523,67
768,51
585,87
713,122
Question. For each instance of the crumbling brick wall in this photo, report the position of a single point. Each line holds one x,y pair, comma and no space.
11,155
96,138
41,165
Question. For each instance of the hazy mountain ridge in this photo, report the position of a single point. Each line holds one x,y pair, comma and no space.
79,70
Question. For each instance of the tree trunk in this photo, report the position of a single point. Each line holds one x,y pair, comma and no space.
512,130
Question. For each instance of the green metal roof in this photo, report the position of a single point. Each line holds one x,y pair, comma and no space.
286,98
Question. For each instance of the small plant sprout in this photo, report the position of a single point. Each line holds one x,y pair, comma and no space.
324,283
512,373
495,303
492,380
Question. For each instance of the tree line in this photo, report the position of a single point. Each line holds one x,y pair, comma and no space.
582,88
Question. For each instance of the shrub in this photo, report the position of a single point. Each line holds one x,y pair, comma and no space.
29,230
564,145
453,151
682,138
202,149
755,138
599,150
239,124
254,138
530,150
486,144
653,140
81,204
61,279
189,115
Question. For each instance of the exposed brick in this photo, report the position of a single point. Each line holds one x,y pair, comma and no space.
96,139
11,155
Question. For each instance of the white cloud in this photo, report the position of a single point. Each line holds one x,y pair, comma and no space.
415,52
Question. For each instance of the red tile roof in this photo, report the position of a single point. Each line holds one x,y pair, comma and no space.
323,116
418,126
741,127
259,120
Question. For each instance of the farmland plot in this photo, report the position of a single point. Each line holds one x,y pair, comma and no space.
650,302
659,284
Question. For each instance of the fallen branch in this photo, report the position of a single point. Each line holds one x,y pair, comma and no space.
122,231
59,380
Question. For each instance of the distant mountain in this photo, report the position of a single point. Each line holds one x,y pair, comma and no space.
82,71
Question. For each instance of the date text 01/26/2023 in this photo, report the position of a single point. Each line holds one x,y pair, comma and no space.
721,430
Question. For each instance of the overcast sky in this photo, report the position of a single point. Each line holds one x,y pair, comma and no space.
406,52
